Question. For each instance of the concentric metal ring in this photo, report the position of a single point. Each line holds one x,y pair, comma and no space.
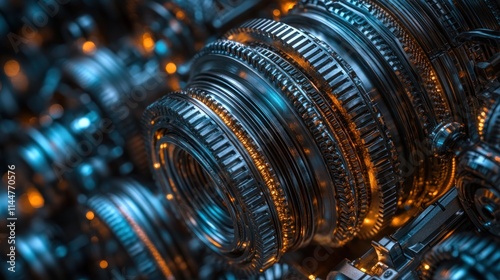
478,181
101,75
346,99
142,226
463,255
191,125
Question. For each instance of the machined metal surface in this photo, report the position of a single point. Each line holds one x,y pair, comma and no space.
231,139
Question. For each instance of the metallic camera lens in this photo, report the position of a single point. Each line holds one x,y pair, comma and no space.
327,125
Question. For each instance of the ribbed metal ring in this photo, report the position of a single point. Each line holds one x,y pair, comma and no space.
478,256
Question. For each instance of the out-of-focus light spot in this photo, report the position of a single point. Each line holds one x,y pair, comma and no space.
171,68
86,169
25,205
157,165
312,277
89,215
103,264
368,222
56,111
180,15
170,196
11,68
363,269
20,82
35,198
88,47
276,12
45,120
82,123
426,267
401,220
161,47
287,5
147,42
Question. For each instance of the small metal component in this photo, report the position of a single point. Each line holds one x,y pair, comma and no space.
478,181
478,177
138,235
448,138
399,255
463,256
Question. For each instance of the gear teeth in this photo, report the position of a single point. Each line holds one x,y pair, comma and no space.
139,220
491,129
110,100
121,229
478,181
265,244
315,53
482,254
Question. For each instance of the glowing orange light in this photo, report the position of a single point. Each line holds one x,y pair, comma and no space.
147,42
150,246
56,110
276,12
103,264
170,196
11,68
90,215
171,68
426,267
88,47
287,5
35,198
20,81
180,15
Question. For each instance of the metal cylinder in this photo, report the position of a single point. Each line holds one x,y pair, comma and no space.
332,123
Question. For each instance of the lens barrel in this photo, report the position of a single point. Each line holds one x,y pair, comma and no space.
333,123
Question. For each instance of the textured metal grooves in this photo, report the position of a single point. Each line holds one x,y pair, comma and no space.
245,181
344,95
111,102
481,255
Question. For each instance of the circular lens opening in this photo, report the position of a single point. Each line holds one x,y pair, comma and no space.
199,193
488,211
486,203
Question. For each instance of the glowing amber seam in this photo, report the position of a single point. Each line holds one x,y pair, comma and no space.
151,247
279,199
